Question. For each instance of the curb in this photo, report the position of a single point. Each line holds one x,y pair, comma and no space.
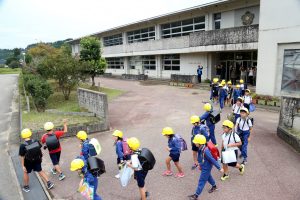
11,165
43,186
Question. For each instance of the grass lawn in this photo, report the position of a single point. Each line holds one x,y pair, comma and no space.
35,120
10,71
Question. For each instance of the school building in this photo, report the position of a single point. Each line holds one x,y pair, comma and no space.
224,36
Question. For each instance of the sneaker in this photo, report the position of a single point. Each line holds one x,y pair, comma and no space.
193,197
224,177
212,189
167,173
147,194
216,145
61,177
50,185
194,166
53,171
244,162
26,188
242,169
117,176
179,175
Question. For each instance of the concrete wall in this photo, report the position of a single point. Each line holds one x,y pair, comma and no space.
276,29
240,12
189,63
115,71
95,102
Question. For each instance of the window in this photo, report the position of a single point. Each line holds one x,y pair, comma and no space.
171,62
181,28
115,63
141,35
113,40
147,62
291,71
217,20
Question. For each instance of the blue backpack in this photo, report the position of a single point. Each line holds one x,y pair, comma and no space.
183,145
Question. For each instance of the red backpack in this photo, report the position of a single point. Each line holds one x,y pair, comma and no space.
213,150
125,147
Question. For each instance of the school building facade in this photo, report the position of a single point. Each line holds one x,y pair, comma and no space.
223,33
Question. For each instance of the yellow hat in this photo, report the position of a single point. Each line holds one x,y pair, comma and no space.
195,119
238,86
229,83
199,139
228,123
167,131
133,143
247,90
48,126
245,110
118,133
26,133
76,164
207,107
82,135
215,80
241,81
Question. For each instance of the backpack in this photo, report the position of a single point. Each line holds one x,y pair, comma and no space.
94,147
96,166
213,150
33,151
215,116
183,145
125,147
52,142
146,159
248,118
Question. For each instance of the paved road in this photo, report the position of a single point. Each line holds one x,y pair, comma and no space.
8,181
272,172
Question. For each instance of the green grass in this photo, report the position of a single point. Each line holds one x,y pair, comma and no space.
111,93
35,121
10,71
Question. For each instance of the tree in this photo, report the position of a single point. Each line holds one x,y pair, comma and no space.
90,55
17,52
62,67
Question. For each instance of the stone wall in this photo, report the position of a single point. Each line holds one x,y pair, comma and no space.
135,77
183,78
243,34
95,102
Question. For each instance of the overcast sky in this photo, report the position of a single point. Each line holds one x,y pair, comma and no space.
24,22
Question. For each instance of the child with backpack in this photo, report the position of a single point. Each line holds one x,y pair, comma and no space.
214,90
84,143
174,147
230,92
230,143
51,139
242,87
236,108
206,162
206,117
244,128
198,128
140,172
31,159
122,149
79,164
222,95
235,94
247,99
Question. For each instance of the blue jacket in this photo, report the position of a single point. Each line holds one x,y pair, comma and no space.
206,160
195,131
119,150
236,94
205,117
223,92
85,150
174,145
199,71
203,131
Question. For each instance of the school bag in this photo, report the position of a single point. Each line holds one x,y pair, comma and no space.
96,166
183,145
125,147
52,142
213,150
146,159
33,151
94,147
215,116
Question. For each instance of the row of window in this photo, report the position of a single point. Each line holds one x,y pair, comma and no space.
174,29
169,62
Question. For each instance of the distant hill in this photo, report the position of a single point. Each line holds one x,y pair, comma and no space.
6,53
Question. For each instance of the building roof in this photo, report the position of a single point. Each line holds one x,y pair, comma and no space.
214,3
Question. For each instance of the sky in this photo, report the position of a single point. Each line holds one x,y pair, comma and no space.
24,22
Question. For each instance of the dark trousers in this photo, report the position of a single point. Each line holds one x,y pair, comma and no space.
199,78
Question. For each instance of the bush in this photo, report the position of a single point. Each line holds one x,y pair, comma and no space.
14,64
39,89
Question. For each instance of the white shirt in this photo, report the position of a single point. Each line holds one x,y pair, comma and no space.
251,72
135,162
242,86
247,99
244,125
233,138
236,109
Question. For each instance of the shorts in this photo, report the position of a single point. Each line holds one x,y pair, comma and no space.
194,147
233,164
175,157
247,106
140,177
55,157
37,167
